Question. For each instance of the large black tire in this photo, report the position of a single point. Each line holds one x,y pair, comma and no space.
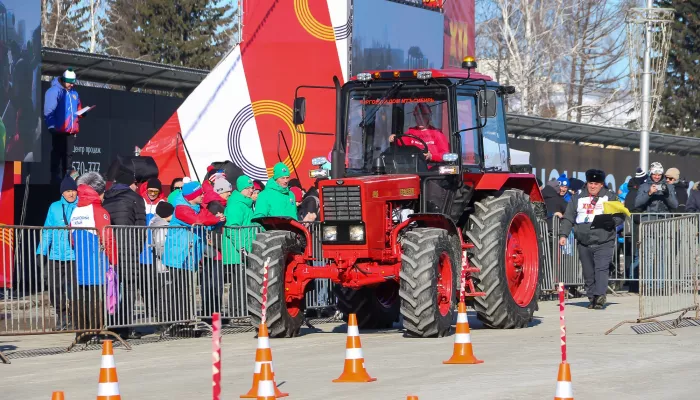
423,250
279,246
375,307
488,231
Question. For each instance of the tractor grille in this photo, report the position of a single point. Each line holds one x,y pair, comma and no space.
342,203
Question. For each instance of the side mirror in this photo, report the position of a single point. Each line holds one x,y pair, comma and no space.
487,101
299,110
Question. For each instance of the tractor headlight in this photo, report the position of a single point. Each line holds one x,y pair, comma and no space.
330,233
357,233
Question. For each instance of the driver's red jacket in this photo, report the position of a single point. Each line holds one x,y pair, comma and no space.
436,141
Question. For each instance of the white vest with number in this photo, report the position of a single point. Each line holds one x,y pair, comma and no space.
585,211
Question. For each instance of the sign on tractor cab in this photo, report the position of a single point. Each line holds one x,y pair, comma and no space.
419,208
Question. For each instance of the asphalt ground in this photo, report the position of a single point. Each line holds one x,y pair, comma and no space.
519,364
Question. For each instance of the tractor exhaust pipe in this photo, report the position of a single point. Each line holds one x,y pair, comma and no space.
338,153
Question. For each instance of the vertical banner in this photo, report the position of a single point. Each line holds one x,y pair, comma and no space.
7,205
288,44
460,32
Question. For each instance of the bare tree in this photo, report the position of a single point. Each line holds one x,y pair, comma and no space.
59,29
595,34
528,33
563,56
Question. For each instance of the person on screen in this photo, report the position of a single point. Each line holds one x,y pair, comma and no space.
433,137
61,105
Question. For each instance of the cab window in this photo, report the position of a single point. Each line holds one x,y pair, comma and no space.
466,118
495,142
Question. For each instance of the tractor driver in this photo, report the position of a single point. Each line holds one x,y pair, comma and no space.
433,137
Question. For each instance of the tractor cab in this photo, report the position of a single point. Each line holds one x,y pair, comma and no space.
435,124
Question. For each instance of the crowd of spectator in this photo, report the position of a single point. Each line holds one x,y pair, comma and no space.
198,228
647,196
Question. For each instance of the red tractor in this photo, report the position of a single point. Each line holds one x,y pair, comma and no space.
409,218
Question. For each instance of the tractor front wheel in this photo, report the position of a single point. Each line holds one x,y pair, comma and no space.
429,281
375,307
504,230
283,319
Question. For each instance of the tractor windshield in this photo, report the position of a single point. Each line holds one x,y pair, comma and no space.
413,119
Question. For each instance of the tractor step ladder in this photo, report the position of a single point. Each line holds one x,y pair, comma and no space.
468,269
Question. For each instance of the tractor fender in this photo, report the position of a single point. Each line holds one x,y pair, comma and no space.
424,220
286,224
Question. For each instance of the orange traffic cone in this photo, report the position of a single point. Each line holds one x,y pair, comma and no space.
266,385
354,370
263,355
108,386
564,389
57,396
412,398
462,353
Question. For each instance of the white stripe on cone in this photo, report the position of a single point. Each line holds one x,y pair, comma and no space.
266,388
107,362
462,318
564,390
463,338
353,331
353,354
263,342
258,366
108,389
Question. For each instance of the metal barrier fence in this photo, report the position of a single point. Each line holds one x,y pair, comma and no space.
59,281
81,280
547,281
669,252
624,267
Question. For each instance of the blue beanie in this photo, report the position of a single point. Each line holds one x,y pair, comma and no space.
563,180
191,190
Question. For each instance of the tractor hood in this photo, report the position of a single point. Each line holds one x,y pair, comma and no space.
380,187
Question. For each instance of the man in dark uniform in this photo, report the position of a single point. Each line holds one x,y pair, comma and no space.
596,246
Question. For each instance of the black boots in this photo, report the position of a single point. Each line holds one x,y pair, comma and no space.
597,303
592,303
600,302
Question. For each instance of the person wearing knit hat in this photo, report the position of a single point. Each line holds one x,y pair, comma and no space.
192,192
239,212
298,195
564,188
61,104
56,246
277,200
152,193
673,177
639,173
655,195
673,174
178,255
258,186
223,188
165,210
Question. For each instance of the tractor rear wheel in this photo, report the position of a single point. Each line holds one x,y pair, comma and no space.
375,307
283,319
504,230
429,281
